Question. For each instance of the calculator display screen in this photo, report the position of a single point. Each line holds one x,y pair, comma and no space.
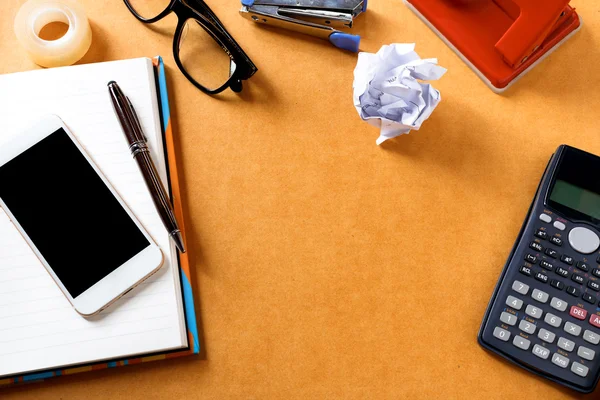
577,198
69,213
576,187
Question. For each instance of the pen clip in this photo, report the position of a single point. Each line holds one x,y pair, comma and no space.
136,120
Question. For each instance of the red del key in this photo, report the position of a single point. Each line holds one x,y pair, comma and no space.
595,320
580,313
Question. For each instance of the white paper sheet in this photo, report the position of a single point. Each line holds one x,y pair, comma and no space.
387,91
38,327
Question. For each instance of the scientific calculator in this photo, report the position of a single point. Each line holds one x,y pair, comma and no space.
544,314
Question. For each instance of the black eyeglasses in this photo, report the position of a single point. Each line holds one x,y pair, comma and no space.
203,49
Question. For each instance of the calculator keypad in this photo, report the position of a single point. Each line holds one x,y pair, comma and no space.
551,310
548,336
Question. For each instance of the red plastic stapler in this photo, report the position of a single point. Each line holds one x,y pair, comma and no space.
500,40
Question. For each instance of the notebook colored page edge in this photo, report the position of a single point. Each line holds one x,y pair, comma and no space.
184,266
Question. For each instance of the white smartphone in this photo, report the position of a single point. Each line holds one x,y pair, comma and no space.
81,230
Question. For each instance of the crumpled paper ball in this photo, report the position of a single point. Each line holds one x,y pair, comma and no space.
388,92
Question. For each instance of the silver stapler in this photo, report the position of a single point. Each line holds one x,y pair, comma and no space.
321,18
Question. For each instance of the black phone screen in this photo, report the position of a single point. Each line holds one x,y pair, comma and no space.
69,214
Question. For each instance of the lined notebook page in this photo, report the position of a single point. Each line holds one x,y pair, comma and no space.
39,329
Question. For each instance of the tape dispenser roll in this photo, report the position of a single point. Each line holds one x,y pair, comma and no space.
67,50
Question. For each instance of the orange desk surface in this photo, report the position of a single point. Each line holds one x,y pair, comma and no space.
326,266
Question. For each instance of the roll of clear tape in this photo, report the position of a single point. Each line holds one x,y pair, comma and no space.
67,50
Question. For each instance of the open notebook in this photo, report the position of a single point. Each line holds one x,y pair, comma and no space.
39,330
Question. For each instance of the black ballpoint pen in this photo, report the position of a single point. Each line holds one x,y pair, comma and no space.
139,150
